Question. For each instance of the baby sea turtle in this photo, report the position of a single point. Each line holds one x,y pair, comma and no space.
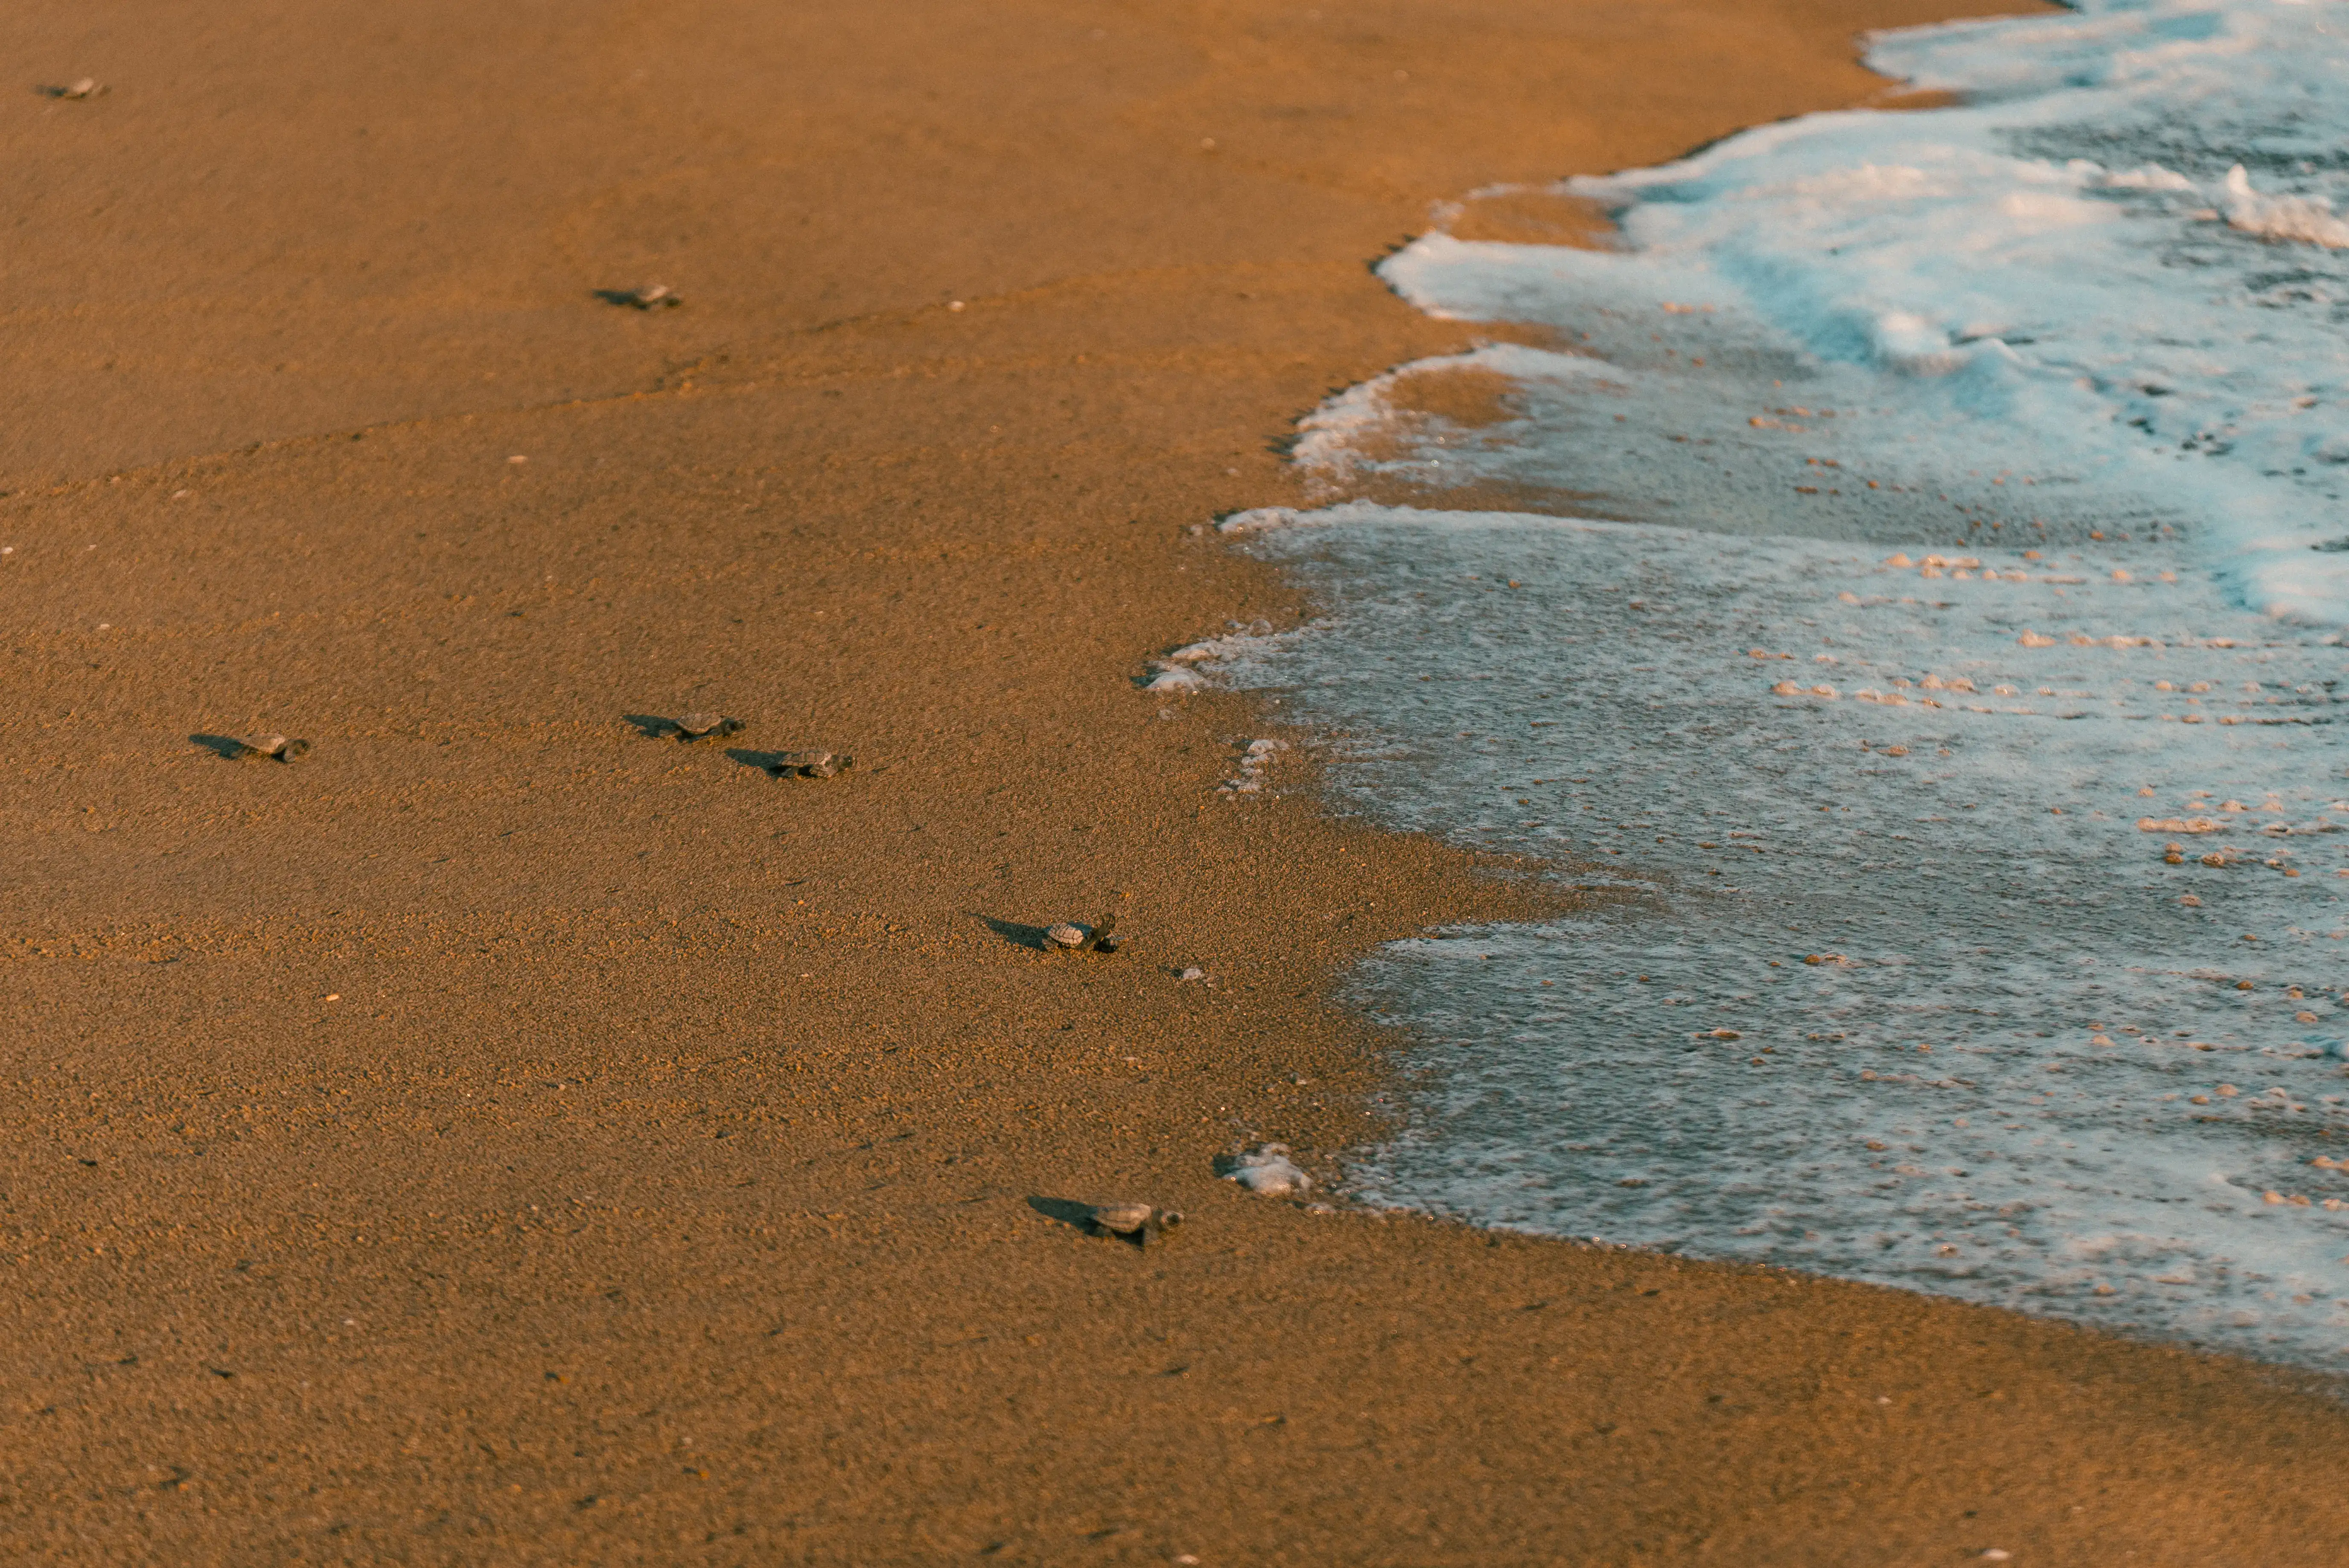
86,87
1137,1223
810,764
695,727
277,748
1076,938
652,296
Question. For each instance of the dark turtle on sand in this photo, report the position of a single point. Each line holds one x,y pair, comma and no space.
1076,938
810,764
695,727
1137,1223
277,747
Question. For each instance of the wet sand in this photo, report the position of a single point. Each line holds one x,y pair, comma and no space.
503,1135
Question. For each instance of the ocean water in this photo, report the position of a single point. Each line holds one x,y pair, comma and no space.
1942,707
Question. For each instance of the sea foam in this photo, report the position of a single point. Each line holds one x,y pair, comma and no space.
2117,271
1944,731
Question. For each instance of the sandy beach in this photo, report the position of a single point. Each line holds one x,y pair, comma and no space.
508,1135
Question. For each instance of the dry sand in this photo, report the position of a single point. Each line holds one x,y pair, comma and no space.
503,1138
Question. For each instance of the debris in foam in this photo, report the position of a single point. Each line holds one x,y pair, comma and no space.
1253,759
1267,1171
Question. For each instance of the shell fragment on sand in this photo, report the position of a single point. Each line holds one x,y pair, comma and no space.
694,726
85,89
810,764
652,296
1137,1222
277,747
1268,1169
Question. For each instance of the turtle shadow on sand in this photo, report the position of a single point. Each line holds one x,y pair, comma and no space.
686,727
1067,1211
794,764
1030,938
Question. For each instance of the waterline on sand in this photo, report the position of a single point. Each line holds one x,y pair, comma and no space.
1947,740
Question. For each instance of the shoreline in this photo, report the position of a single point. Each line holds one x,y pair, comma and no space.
503,1135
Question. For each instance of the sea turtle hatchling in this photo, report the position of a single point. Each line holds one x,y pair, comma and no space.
277,748
652,296
1063,936
695,727
810,764
1137,1223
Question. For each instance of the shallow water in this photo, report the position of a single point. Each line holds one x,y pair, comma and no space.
1967,848
2020,1068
